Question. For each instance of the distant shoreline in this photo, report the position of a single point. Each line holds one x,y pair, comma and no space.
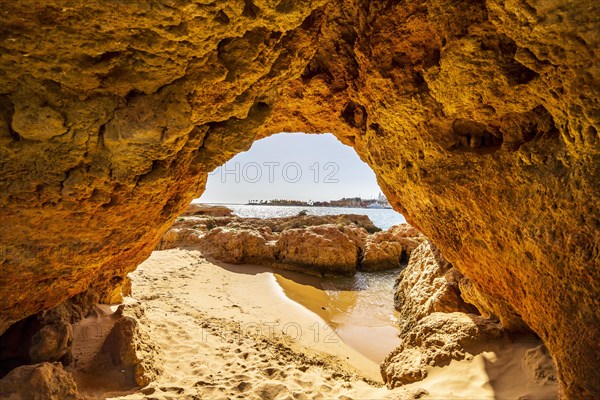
297,205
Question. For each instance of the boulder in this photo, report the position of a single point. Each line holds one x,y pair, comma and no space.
203,209
179,237
52,342
127,350
389,249
435,340
44,381
238,246
317,250
428,284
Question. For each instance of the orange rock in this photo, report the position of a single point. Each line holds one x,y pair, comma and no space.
478,118
323,249
237,245
428,284
390,248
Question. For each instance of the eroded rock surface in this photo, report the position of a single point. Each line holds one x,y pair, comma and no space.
45,381
112,350
123,345
320,249
435,340
436,325
428,284
393,246
316,245
239,246
52,342
480,120
538,363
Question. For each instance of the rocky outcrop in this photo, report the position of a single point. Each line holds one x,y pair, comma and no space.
391,247
316,245
480,120
323,249
191,229
45,381
202,209
239,246
435,340
436,325
303,221
428,284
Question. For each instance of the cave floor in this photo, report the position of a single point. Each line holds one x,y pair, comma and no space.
225,331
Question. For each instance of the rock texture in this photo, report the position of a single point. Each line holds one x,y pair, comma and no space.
428,284
480,119
52,342
122,345
538,363
44,337
113,350
316,245
238,246
436,325
435,340
43,381
323,249
390,247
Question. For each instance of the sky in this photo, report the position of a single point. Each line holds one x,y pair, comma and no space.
292,166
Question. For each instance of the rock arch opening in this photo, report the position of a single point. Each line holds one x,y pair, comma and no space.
296,168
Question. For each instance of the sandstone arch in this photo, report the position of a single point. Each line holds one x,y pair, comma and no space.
480,120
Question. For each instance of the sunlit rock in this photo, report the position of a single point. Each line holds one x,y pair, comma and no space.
238,246
434,341
322,249
200,209
390,248
428,284
480,120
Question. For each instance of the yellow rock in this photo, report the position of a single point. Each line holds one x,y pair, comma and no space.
480,121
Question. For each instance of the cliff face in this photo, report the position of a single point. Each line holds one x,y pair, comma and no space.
480,120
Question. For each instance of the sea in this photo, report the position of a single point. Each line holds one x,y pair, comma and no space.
357,307
383,218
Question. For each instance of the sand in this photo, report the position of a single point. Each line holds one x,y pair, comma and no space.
355,319
226,331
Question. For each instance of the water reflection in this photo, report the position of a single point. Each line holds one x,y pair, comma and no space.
358,307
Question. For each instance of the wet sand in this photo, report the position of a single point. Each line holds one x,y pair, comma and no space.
342,312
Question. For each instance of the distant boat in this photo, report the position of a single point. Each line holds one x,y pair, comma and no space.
376,205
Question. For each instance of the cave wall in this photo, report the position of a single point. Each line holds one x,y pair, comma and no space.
479,118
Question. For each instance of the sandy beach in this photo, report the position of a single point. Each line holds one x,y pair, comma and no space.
225,331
